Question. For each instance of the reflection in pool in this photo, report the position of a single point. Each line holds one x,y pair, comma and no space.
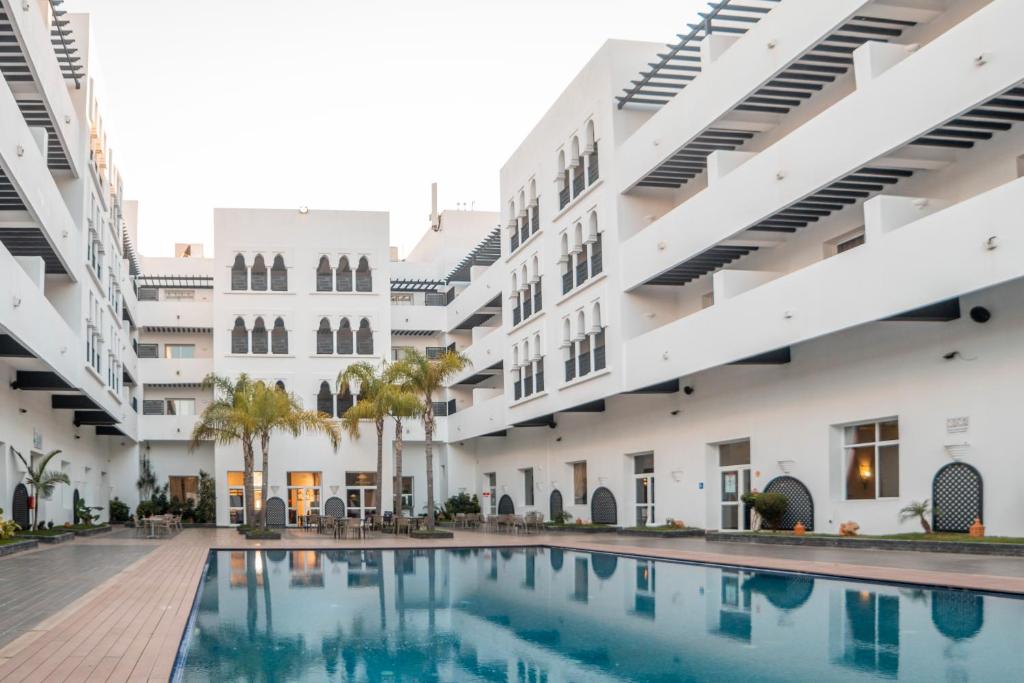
535,615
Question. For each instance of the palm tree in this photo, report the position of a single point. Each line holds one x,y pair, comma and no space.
424,377
277,410
381,395
230,418
41,480
920,511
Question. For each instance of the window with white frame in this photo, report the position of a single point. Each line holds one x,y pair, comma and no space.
871,451
527,486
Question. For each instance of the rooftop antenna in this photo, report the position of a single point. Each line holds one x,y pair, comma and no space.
435,219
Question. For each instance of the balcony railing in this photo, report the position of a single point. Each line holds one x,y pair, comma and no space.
527,307
153,407
563,197
584,364
581,272
148,351
514,243
539,378
535,218
578,180
596,260
528,385
538,301
567,281
517,390
435,299
434,352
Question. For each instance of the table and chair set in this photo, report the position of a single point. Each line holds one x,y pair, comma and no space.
355,527
156,525
531,522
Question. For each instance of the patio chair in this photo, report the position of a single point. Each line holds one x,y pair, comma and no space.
353,527
403,525
516,524
534,519
460,520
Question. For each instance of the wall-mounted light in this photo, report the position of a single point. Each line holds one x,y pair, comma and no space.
22,411
688,390
675,412
677,475
303,210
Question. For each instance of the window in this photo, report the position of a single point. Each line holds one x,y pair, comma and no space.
239,337
345,344
407,499
325,400
323,275
260,339
324,342
850,243
279,338
239,275
360,494
872,455
179,350
258,276
364,338
343,277
579,483
181,406
364,278
183,488
278,275
528,486
303,495
236,495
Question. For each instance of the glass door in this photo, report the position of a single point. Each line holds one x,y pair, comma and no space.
491,491
303,495
360,494
643,471
734,482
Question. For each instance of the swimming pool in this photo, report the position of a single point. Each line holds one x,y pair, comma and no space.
542,615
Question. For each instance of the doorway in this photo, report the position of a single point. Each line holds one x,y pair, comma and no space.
303,495
734,482
360,494
643,475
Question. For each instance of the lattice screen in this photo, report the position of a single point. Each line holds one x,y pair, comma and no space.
506,506
19,506
275,512
801,505
956,497
556,504
602,507
334,507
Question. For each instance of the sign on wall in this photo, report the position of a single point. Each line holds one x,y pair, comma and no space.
37,439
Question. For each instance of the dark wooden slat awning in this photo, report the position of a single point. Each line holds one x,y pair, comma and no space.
10,348
39,380
72,402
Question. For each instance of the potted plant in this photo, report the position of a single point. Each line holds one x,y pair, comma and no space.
42,481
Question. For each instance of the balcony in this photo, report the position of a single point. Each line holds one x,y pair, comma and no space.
175,316
484,417
167,427
171,371
418,318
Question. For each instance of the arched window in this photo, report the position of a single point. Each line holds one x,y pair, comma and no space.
594,237
258,277
570,350
343,278
323,275
578,179
596,317
279,338
364,278
259,336
278,275
324,341
593,169
325,400
239,275
517,373
566,332
345,401
279,385
513,227
345,345
364,338
534,207
527,370
239,337
563,180
584,344
597,329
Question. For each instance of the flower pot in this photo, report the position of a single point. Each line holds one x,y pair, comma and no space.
31,502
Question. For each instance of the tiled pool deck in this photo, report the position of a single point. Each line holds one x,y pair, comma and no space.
128,627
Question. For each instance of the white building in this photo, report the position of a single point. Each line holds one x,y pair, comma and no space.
780,258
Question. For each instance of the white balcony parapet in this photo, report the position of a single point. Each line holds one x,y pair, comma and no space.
970,243
167,427
171,371
889,212
874,58
864,127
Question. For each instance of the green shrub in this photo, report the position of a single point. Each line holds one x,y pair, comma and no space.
206,508
462,503
7,527
771,507
85,513
119,511
562,517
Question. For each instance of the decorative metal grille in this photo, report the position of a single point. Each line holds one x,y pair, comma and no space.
74,502
324,340
958,615
506,506
19,506
364,340
239,276
555,506
278,276
260,341
153,406
275,512
149,350
364,281
801,505
956,497
279,339
239,338
334,507
345,344
602,507
604,565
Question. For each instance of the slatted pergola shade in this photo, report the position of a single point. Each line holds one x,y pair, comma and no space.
797,83
978,124
485,253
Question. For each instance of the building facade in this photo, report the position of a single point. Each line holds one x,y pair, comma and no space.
779,257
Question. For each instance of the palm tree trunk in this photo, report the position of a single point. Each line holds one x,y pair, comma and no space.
428,449
380,464
265,447
398,467
247,458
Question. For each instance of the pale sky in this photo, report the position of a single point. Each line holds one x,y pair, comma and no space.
337,104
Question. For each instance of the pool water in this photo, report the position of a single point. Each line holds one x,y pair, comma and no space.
539,615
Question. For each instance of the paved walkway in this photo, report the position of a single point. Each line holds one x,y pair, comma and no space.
128,628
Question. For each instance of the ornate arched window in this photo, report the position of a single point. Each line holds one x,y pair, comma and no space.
258,276
239,275
343,278
278,275
345,344
259,336
324,340
239,337
345,400
364,278
279,385
563,180
594,237
279,338
364,338
325,400
597,329
323,275
593,169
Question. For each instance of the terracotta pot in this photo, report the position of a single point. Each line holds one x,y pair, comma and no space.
799,529
31,502
977,529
